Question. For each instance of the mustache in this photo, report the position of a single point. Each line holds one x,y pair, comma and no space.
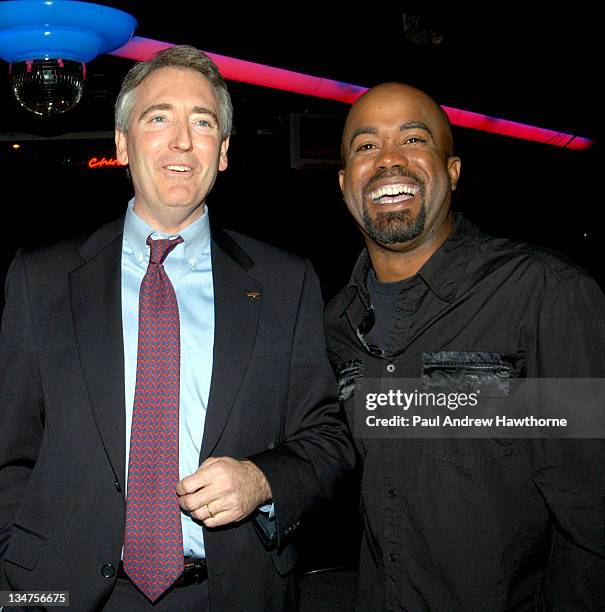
384,173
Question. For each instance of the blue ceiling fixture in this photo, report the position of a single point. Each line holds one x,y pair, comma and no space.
49,42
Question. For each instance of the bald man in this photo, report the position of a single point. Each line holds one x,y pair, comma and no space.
469,524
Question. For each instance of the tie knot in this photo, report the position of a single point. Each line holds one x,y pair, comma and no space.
161,248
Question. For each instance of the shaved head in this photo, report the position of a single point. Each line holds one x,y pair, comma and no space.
375,96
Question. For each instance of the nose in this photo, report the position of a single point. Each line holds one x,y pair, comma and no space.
391,154
181,136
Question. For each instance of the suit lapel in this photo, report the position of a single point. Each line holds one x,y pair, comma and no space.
237,303
95,289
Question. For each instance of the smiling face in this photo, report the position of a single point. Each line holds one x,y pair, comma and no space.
173,147
398,169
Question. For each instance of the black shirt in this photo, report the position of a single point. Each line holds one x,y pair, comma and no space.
478,524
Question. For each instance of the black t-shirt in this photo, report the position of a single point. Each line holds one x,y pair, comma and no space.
387,299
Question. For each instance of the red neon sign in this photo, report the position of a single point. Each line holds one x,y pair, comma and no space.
95,162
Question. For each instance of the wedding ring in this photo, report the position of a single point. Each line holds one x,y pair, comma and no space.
210,513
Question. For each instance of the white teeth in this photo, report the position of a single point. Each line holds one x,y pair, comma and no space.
179,168
392,190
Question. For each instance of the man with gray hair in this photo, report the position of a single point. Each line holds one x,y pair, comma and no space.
168,413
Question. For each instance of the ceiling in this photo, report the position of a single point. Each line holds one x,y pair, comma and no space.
536,68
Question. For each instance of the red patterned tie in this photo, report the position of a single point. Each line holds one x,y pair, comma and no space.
153,540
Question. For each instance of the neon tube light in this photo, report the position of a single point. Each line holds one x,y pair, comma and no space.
139,48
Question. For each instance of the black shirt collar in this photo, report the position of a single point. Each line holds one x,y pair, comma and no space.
442,273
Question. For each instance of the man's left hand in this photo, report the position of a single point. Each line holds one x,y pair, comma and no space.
223,490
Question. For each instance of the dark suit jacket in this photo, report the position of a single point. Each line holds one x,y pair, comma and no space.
62,443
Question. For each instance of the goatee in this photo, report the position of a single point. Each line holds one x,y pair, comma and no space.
394,226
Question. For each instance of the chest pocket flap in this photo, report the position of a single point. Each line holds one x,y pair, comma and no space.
468,371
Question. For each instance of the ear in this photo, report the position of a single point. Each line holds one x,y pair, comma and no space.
121,148
223,162
453,169
341,179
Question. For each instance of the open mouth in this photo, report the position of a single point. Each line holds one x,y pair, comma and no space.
390,194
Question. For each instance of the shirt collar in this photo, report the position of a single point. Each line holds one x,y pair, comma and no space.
442,273
196,237
445,269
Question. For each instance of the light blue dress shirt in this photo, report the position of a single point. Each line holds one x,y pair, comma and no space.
189,268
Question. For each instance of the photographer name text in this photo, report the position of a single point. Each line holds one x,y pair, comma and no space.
448,421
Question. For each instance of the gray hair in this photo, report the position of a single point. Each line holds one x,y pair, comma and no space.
188,58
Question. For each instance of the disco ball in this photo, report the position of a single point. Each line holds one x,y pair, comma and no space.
48,42
48,86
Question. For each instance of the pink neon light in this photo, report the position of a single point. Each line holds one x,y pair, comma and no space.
504,127
255,74
139,48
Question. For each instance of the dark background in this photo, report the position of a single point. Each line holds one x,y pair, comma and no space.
539,68
536,68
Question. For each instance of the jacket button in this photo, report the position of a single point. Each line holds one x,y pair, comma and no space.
393,557
392,493
391,367
116,484
107,571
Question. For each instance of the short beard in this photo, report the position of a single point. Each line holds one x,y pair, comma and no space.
395,226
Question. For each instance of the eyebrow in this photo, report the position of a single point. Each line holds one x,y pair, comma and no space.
359,131
415,125
412,125
196,110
